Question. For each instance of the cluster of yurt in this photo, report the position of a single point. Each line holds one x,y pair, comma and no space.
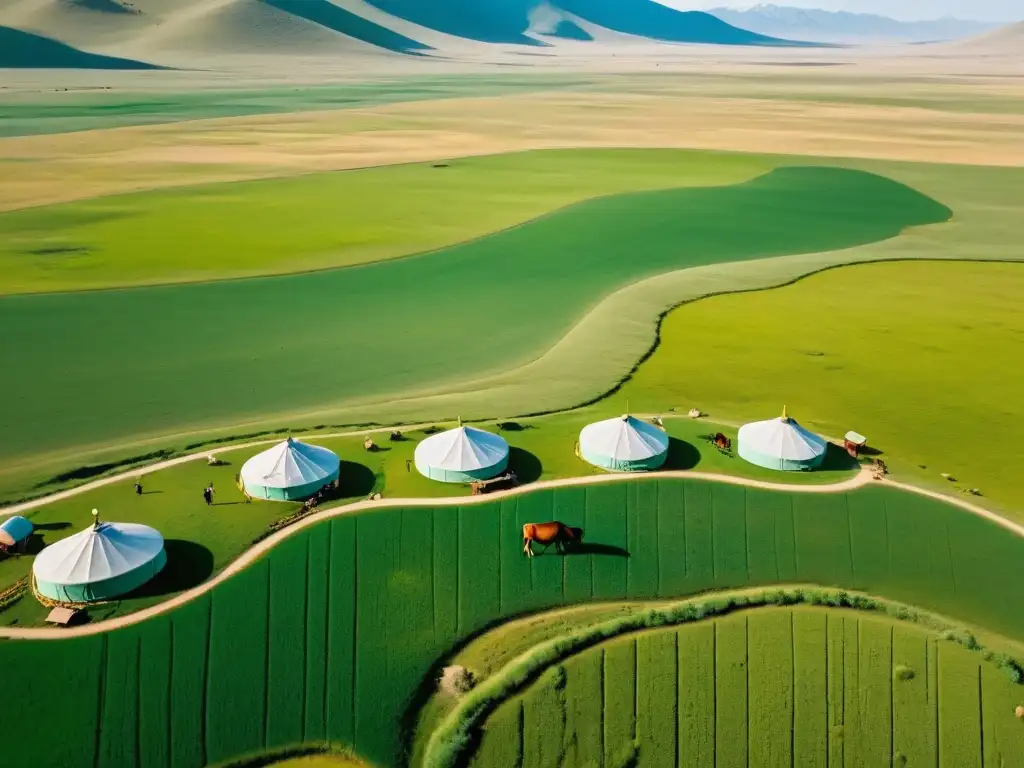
291,470
781,444
462,455
624,444
102,562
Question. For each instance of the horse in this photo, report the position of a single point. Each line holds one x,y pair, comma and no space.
559,534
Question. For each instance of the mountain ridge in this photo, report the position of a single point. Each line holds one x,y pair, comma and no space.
845,26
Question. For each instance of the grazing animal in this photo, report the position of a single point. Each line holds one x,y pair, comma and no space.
546,534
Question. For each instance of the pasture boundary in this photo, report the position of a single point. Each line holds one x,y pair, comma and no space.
863,478
455,734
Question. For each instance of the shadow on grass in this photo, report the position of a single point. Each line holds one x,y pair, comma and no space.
681,455
513,426
53,527
95,470
606,550
527,467
355,480
188,565
838,460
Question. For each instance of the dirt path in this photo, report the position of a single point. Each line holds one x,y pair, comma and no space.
42,501
864,477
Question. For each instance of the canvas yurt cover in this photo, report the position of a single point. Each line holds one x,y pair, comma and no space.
624,444
462,455
781,444
101,562
290,470
14,530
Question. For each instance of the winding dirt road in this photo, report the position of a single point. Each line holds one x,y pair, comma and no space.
862,478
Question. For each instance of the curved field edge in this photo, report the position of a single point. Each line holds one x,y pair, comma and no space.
614,335
333,219
269,539
452,741
890,346
329,636
771,686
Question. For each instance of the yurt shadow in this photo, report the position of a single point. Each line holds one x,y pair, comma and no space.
355,479
188,565
681,455
838,460
527,466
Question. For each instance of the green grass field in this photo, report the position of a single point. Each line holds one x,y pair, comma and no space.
301,646
915,356
323,220
206,539
34,113
126,367
765,687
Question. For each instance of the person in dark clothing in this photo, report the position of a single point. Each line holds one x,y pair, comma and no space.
138,487
208,495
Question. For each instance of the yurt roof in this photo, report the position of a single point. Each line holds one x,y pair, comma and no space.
15,529
100,552
290,464
625,438
462,449
782,438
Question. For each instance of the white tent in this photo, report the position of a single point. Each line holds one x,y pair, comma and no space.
462,455
625,444
781,444
103,561
290,470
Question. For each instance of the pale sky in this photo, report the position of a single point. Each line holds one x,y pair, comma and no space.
982,10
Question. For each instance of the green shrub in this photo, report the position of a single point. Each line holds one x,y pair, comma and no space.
903,672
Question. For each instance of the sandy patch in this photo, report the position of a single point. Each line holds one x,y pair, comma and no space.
74,166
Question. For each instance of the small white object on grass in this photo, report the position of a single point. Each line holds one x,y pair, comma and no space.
1019,712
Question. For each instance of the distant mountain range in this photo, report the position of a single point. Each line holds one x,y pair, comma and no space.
63,33
841,26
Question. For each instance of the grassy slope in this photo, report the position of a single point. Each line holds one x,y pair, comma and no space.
777,708
302,644
324,220
191,357
915,356
206,539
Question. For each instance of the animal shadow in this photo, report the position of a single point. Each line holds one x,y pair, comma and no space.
606,550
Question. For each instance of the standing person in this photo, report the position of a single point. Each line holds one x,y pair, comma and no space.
138,487
208,495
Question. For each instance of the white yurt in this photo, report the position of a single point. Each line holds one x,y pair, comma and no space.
290,470
102,562
781,444
624,444
462,455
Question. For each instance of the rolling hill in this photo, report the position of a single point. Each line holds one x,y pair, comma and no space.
1008,40
178,32
24,50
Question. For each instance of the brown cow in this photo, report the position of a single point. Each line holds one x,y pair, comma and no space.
559,534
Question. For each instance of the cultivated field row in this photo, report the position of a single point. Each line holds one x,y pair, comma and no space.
329,634
766,688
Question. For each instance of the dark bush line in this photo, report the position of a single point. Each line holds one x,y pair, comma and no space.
450,741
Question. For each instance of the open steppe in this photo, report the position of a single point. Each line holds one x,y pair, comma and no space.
225,221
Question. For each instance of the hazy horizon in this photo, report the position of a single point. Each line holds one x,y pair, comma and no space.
905,10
